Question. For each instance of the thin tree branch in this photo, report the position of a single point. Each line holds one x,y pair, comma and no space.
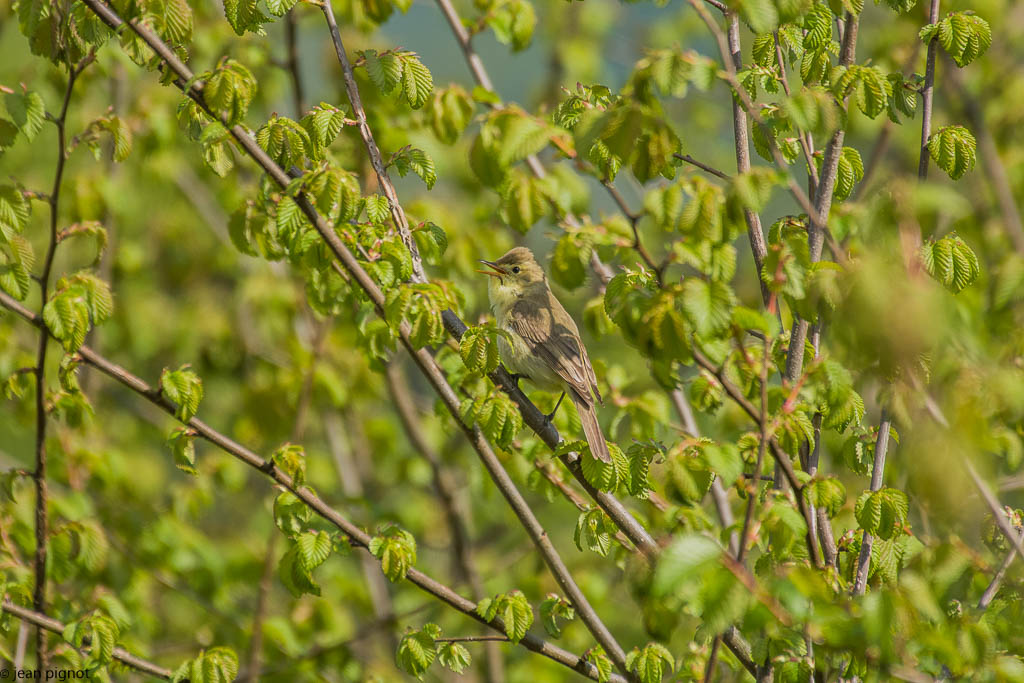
732,58
704,167
120,654
252,668
1016,540
928,93
472,639
376,158
877,470
997,580
823,202
356,535
42,528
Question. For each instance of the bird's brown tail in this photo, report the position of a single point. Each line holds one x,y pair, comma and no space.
591,427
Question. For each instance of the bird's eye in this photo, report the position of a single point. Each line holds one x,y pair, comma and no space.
516,269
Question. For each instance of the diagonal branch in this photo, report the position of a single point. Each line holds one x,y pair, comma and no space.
356,535
120,654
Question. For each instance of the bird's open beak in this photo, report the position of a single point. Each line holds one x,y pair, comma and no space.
497,272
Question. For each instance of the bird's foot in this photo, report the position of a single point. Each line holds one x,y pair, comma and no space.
515,379
551,415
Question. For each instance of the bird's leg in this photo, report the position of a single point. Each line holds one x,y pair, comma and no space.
516,378
551,415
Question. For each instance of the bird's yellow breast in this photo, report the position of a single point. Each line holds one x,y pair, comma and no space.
516,354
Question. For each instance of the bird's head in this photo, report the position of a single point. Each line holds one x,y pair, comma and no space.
515,274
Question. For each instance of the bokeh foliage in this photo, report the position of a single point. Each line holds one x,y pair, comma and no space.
180,260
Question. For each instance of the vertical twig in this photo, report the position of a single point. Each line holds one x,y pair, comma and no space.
291,30
928,94
42,531
252,669
741,137
877,470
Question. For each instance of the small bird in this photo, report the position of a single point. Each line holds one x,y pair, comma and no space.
543,343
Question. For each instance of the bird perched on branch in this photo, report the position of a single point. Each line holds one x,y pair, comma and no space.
543,343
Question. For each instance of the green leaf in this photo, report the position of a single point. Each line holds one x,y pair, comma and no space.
280,7
183,388
97,632
291,515
553,609
569,260
244,15
183,448
513,22
454,656
479,348
952,262
650,664
27,111
449,112
378,209
868,85
513,609
385,70
594,532
682,562
312,549
396,550
828,494
851,171
417,83
416,650
415,160
818,27
954,149
286,141
216,665
16,261
964,35
291,459
323,123
229,88
882,513
14,211
708,305
601,661
217,149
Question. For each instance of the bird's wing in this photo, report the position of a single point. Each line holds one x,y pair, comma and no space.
560,348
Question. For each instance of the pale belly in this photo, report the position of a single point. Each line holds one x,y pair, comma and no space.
519,360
